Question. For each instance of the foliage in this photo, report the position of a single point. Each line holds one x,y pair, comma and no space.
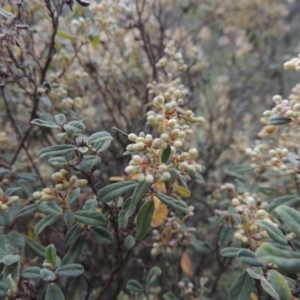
127,130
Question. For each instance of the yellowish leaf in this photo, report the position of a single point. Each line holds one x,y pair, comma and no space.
116,178
159,215
160,186
182,191
253,296
186,265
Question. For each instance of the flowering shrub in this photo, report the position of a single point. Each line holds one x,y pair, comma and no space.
126,132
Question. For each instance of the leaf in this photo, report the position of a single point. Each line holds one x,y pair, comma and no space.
47,275
288,200
274,233
139,192
54,292
32,273
170,296
90,205
122,219
153,274
49,207
255,273
57,150
50,254
10,259
72,233
89,162
99,137
88,217
11,191
173,203
60,119
26,211
134,286
74,196
182,191
74,127
70,270
144,219
226,235
286,260
280,284
115,190
186,265
248,257
69,218
43,123
101,235
74,251
129,242
46,221
95,40
290,217
242,287
35,247
159,215
202,246
166,153
269,288
280,120
66,36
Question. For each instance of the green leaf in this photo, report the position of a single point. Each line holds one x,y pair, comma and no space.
74,251
35,247
26,211
88,217
66,36
274,233
49,207
74,127
173,203
3,289
89,162
144,219
54,292
46,221
50,254
10,259
280,120
122,218
226,235
279,284
99,137
90,205
12,283
129,242
269,288
101,235
242,287
286,260
69,217
290,217
32,273
115,190
153,274
74,196
288,200
166,153
72,234
256,272
11,191
248,257
57,150
60,119
95,40
70,270
47,275
134,286
43,123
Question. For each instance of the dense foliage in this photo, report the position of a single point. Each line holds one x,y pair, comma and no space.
140,154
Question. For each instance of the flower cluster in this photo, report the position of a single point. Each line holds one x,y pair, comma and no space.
6,201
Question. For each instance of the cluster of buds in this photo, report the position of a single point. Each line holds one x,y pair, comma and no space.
69,103
187,288
62,184
293,64
289,108
174,234
6,201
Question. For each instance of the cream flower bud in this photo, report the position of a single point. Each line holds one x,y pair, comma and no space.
149,178
235,202
166,176
57,176
64,173
184,156
244,239
162,168
132,137
48,191
141,177
238,236
59,187
130,170
177,144
193,152
73,179
37,195
156,142
140,146
172,122
164,137
137,159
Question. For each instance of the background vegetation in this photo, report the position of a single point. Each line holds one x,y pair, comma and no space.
83,83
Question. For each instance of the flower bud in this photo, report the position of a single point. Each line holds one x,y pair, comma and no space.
149,178
57,176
